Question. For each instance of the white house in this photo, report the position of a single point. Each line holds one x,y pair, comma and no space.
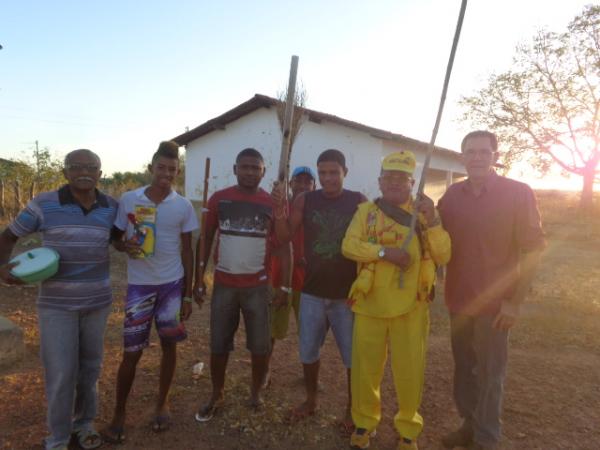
254,123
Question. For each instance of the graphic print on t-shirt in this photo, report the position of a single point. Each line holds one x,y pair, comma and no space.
144,224
325,222
331,228
243,230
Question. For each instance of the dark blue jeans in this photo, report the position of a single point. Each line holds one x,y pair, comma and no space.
480,356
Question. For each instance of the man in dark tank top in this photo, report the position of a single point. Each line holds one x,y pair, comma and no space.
325,215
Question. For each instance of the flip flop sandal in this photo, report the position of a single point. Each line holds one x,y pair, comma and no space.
116,436
207,412
88,439
161,423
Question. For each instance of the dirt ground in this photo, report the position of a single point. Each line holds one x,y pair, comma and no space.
552,390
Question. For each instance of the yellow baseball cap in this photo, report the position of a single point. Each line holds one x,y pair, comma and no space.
403,161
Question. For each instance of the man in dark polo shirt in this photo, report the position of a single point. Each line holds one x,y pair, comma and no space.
73,305
496,234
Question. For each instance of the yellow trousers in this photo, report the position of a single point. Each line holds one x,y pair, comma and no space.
406,337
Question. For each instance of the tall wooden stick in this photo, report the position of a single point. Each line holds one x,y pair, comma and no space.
202,249
284,158
438,119
206,177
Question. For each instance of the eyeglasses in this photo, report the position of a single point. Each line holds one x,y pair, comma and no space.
396,179
82,167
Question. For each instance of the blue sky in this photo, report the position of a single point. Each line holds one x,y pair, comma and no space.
119,76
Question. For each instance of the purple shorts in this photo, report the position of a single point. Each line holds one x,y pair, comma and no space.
161,302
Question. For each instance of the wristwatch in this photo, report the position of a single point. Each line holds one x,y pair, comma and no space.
381,253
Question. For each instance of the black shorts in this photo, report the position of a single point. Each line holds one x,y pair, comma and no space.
226,304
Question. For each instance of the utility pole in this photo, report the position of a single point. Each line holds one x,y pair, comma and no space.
36,179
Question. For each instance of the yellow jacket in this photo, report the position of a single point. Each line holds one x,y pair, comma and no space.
376,291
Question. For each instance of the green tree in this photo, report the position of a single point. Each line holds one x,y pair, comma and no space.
47,171
120,182
545,109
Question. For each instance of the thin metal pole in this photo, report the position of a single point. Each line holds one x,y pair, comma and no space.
436,127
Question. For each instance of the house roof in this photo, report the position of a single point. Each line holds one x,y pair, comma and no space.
263,101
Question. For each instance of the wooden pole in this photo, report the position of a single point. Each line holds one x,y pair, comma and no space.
17,190
202,250
284,159
206,177
438,119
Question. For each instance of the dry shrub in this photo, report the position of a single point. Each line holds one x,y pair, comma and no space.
563,219
563,207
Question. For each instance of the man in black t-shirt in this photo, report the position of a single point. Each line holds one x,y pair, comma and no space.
324,214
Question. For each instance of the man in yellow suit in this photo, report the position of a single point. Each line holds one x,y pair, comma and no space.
390,298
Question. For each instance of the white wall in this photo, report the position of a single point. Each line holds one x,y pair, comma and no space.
260,129
363,153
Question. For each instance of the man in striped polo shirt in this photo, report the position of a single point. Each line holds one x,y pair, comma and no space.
73,305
